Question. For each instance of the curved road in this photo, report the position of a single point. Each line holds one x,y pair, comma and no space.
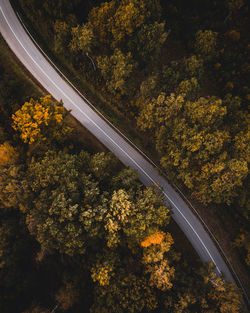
27,52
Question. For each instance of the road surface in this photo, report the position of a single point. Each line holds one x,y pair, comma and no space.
28,53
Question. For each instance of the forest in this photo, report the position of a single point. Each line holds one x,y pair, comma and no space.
78,231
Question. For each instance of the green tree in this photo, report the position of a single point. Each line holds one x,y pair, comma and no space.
56,192
58,226
222,296
193,66
193,139
83,38
132,215
62,36
100,19
13,189
120,209
114,21
103,165
150,213
147,43
126,293
189,88
205,43
126,179
116,70
203,291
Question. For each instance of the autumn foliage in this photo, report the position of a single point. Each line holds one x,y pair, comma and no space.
8,154
155,239
41,120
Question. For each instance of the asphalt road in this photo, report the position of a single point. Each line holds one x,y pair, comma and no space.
27,52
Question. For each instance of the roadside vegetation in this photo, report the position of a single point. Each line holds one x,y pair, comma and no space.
78,231
90,235
186,91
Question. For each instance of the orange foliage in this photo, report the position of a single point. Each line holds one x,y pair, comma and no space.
8,154
234,35
155,239
217,66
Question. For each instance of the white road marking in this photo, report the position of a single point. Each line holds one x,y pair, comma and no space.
109,139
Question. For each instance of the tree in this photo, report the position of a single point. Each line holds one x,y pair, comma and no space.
71,201
202,291
100,19
13,189
56,193
114,21
225,184
148,89
222,296
242,144
155,248
104,268
159,110
242,241
61,36
120,210
103,165
8,154
126,293
129,16
83,38
150,213
116,70
205,43
148,41
39,121
189,88
193,139
58,227
131,216
126,179
193,66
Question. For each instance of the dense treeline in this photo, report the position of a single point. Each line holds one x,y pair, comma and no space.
179,70
89,236
79,232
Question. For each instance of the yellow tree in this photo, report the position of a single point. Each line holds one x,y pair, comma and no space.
130,15
155,259
41,120
8,154
121,208
114,20
100,18
104,268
